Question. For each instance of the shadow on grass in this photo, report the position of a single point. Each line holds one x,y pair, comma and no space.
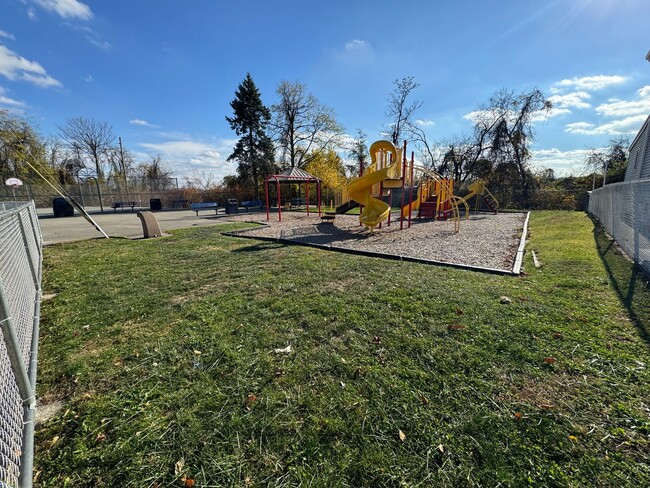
260,246
628,279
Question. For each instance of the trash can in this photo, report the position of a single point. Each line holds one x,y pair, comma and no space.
155,204
232,206
62,208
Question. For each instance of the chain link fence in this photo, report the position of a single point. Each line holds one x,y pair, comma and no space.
20,297
623,209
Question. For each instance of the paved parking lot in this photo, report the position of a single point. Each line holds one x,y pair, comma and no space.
119,224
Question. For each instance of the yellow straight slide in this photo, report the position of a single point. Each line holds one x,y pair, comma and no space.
374,210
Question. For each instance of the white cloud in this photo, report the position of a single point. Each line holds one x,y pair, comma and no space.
623,108
562,162
425,122
68,9
4,100
100,44
15,67
7,35
542,115
627,125
185,156
88,78
356,45
31,14
144,123
590,83
570,100
539,116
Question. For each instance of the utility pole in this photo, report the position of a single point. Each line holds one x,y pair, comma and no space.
126,183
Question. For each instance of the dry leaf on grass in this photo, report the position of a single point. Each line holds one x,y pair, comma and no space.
550,360
284,350
178,467
402,435
188,482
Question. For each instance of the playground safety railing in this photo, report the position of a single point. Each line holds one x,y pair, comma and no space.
20,299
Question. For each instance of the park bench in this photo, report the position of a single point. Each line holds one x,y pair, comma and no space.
197,207
179,203
251,204
297,202
123,205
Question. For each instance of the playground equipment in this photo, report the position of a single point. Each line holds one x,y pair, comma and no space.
480,191
386,167
391,170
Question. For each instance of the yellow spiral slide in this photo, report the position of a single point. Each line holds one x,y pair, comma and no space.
375,210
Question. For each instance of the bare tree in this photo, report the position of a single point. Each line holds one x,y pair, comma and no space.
91,138
154,173
18,140
358,151
399,111
503,132
200,180
611,160
302,125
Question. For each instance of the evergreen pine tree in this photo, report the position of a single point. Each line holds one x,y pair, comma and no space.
254,151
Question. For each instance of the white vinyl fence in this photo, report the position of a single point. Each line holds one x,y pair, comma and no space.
20,298
623,209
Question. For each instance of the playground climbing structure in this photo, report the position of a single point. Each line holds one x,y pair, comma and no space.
391,170
479,191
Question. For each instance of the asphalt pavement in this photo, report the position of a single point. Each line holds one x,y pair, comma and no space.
122,223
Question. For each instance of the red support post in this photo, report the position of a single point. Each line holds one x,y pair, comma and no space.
266,187
277,183
411,186
318,194
401,207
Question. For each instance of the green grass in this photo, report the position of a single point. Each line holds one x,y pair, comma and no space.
162,351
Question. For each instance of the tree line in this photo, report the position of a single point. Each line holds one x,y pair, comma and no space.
298,131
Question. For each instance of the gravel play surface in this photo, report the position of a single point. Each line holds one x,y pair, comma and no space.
485,240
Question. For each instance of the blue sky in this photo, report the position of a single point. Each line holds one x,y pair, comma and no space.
163,72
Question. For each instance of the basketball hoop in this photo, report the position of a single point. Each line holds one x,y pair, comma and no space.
13,182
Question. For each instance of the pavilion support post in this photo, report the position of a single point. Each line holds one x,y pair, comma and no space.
277,184
266,188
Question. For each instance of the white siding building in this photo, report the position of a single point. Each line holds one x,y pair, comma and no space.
638,165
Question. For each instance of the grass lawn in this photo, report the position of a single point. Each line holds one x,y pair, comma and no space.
163,353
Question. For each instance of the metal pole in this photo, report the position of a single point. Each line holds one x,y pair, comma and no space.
13,351
27,456
126,183
307,196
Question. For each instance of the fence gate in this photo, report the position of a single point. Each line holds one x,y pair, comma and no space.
20,299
